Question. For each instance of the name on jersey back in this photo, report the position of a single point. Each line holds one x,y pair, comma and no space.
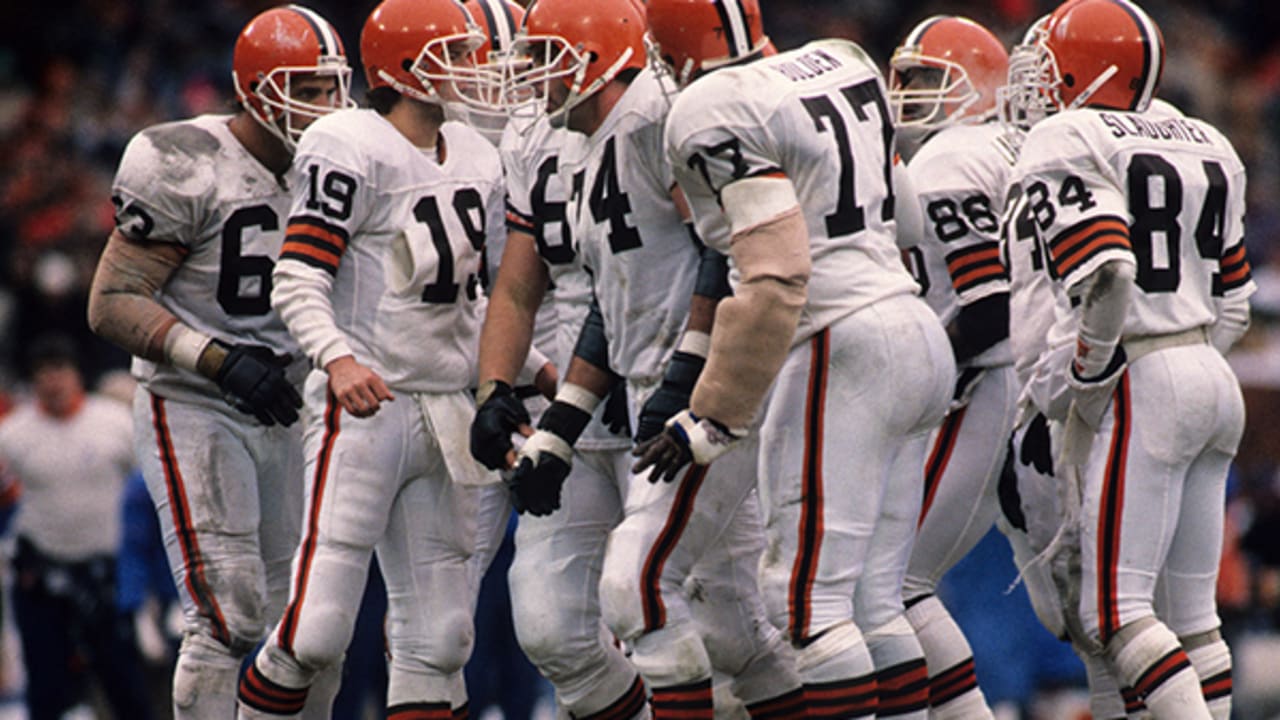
807,66
1175,129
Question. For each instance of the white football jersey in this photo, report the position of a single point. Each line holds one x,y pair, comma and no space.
960,176
536,201
192,183
383,251
817,115
1158,189
630,235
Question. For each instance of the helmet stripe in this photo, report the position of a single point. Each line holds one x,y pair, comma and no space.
499,23
737,32
329,44
917,33
1150,53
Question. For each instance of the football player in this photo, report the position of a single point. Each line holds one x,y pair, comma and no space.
943,80
184,284
588,60
378,281
540,275
1134,211
787,163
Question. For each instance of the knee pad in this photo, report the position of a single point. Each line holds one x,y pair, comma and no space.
671,656
444,646
839,653
316,651
205,679
620,601
769,673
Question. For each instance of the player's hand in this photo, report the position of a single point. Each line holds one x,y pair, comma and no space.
672,395
541,467
359,390
1091,396
1036,449
252,380
685,438
500,414
617,414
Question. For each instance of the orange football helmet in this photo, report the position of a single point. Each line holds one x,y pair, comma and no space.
1101,53
488,104
277,47
583,44
947,70
696,35
420,48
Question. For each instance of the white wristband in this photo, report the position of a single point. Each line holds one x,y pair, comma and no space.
183,346
578,396
695,342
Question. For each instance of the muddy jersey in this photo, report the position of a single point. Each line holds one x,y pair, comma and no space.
805,114
959,177
631,238
383,252
192,183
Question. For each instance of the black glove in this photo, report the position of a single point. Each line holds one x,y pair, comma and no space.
252,381
499,415
1007,491
672,395
616,414
1036,450
540,471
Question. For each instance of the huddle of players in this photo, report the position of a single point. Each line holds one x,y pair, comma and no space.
722,234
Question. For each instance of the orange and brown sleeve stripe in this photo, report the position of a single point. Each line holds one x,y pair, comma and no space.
976,265
1086,239
1233,271
520,222
314,242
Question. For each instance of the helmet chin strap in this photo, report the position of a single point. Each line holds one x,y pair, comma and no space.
410,92
1094,87
577,95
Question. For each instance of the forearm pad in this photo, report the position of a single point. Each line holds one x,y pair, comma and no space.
1106,304
122,304
754,328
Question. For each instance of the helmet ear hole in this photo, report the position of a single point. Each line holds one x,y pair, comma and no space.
1069,80
406,64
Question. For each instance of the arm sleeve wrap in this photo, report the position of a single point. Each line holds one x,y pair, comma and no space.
122,304
1106,292
754,328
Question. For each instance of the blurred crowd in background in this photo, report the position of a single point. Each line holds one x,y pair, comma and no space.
79,77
